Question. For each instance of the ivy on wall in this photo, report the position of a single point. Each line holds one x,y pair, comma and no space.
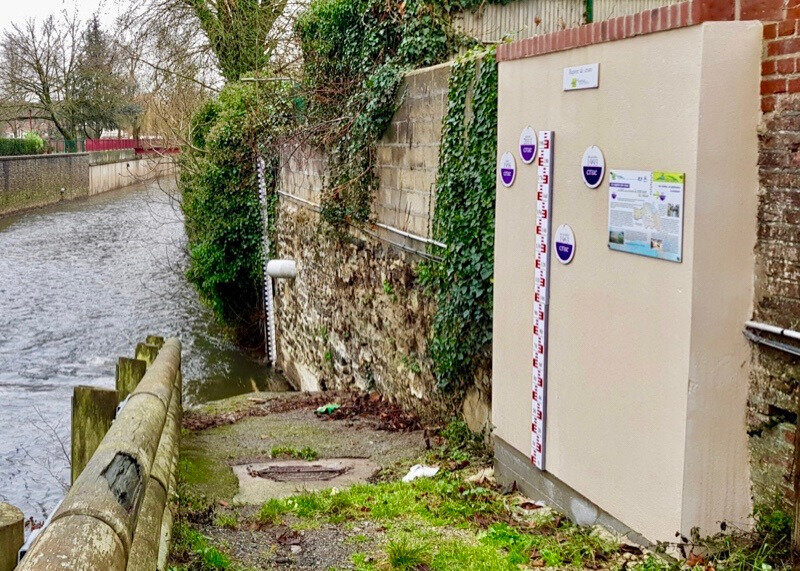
464,221
355,53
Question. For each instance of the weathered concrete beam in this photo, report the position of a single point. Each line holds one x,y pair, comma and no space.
93,411
76,542
147,537
112,486
166,537
170,437
12,535
129,373
147,352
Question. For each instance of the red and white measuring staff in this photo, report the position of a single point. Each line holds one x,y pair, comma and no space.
544,200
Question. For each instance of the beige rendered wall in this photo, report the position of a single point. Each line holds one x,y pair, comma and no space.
108,176
631,336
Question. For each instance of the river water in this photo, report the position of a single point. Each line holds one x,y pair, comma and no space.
80,284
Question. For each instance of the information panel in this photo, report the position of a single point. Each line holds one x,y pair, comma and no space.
645,213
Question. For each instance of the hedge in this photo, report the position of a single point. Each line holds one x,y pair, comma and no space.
11,147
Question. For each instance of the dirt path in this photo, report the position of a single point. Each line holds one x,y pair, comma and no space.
459,519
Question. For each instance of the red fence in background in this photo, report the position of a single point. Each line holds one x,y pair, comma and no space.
140,145
110,144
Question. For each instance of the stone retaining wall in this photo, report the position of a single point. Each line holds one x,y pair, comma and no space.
356,316
38,180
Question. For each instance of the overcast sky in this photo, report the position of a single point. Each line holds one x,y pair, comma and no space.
17,11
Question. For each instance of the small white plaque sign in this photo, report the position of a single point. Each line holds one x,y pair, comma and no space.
582,77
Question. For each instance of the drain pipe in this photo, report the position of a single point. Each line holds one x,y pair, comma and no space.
767,328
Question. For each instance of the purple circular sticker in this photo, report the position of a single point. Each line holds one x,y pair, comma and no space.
565,244
527,145
508,169
593,167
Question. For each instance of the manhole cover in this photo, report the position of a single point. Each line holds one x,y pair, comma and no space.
299,473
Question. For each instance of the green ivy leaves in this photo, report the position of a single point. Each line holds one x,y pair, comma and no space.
464,220
355,53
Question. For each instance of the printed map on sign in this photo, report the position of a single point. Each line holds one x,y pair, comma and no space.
645,213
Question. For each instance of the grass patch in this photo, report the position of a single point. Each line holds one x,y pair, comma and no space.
407,553
446,523
305,453
440,501
226,520
559,543
192,550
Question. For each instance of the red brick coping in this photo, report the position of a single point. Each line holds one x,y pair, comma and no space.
656,20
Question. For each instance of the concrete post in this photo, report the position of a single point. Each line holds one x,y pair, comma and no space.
129,373
12,535
147,352
156,340
93,410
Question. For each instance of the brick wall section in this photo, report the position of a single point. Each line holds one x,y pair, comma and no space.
774,391
655,20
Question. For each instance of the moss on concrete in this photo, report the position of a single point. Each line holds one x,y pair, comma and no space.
207,455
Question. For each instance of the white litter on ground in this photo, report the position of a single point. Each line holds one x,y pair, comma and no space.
420,471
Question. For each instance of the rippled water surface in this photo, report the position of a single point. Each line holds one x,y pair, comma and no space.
80,284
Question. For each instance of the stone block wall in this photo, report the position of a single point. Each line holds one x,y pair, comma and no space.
356,316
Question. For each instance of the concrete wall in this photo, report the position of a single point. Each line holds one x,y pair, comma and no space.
33,181
355,316
647,377
111,175
28,182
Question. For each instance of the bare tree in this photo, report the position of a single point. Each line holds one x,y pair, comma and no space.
37,66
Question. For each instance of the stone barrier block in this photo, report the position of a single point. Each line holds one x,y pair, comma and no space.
156,340
12,535
129,373
93,411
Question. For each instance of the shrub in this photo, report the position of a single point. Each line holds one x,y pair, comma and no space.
26,146
219,185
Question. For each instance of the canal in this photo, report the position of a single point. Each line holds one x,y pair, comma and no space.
80,284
